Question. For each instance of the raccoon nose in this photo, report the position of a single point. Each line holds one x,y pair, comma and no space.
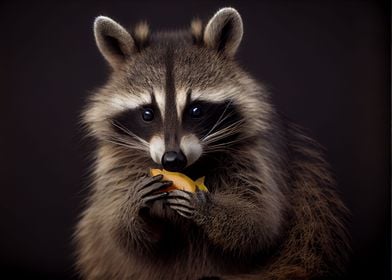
173,161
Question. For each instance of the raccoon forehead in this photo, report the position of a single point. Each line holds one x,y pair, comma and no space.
214,94
122,102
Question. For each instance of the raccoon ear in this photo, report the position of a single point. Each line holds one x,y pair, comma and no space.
224,31
113,41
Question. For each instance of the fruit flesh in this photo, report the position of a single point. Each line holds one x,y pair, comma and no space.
180,181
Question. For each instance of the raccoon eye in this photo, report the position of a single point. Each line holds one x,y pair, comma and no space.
196,112
148,114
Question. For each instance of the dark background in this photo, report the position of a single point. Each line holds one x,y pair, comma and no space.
326,62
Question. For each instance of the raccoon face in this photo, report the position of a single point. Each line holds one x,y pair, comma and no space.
174,96
178,139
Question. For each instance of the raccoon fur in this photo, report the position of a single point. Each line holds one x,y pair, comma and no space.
179,101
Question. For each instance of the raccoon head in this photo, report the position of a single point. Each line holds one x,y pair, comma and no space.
175,96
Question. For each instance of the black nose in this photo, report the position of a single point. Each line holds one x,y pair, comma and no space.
173,161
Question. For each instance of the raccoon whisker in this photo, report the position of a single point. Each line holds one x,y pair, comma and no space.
223,119
212,146
131,134
225,144
217,135
223,133
125,140
142,145
218,138
128,132
121,144
124,144
220,149
220,120
230,126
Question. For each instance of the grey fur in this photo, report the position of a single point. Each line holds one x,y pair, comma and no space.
271,211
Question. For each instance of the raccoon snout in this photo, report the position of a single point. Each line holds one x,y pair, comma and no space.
174,161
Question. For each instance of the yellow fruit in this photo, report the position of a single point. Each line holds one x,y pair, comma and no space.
180,181
200,184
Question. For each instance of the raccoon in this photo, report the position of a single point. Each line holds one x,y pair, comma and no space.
180,101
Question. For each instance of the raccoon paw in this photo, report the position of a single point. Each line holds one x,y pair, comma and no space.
149,189
185,203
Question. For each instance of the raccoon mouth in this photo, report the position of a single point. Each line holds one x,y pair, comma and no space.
188,171
193,171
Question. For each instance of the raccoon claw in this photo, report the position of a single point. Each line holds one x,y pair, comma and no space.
184,203
152,185
150,189
185,213
153,197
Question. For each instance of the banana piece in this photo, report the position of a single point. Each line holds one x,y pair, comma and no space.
180,181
